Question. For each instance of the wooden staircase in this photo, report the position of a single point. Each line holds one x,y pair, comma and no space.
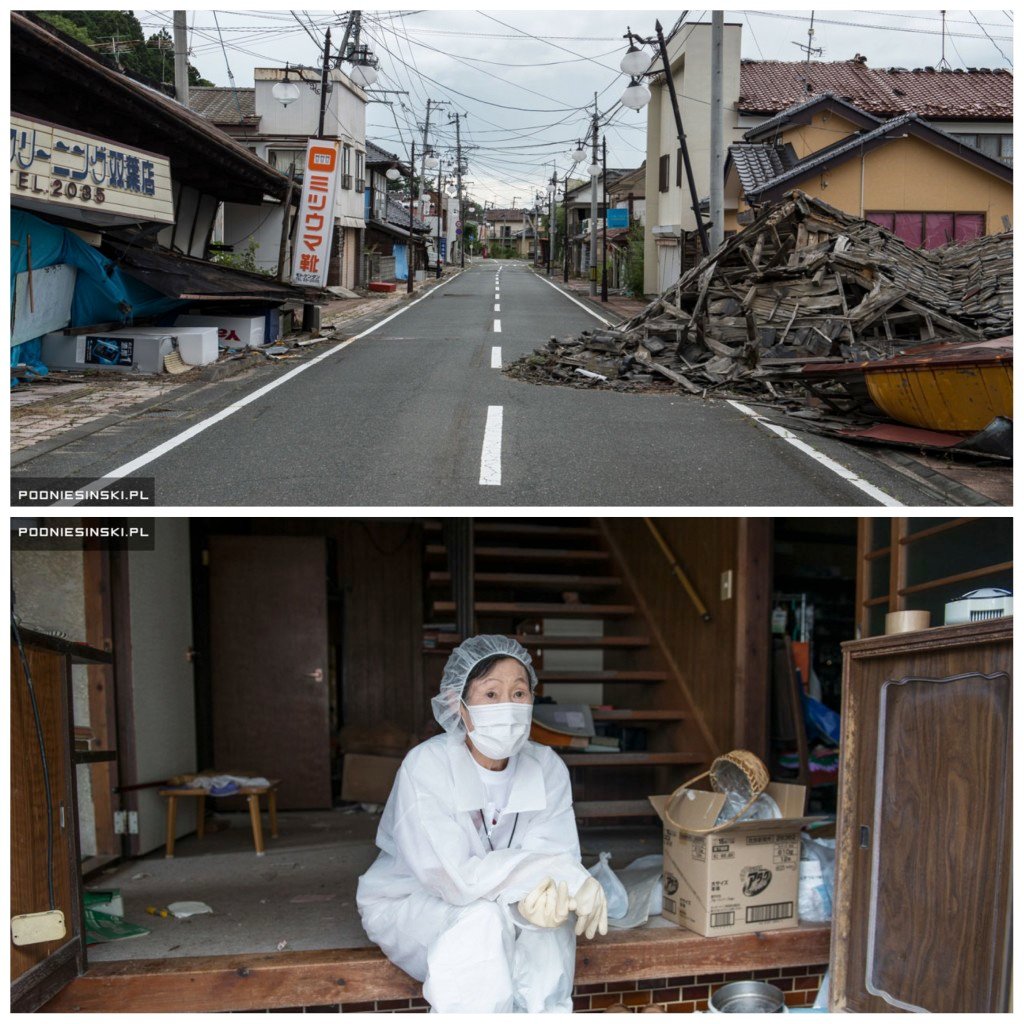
552,585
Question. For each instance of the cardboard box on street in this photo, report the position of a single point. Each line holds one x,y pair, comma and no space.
741,879
368,778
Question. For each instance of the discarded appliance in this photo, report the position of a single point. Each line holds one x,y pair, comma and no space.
232,331
979,606
126,350
196,345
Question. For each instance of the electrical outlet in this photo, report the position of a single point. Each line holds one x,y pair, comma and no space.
46,926
726,586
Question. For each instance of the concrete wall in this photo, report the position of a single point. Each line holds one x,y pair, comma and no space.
690,58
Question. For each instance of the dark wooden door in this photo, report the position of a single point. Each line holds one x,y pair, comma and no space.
269,669
925,823
39,970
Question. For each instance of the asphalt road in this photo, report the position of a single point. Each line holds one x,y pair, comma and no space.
417,413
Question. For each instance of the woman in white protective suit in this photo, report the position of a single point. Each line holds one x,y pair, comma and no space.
478,890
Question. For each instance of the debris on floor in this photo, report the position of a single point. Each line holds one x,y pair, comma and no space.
783,307
104,917
189,908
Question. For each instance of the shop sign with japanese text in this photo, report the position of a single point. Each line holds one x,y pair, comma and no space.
58,167
312,250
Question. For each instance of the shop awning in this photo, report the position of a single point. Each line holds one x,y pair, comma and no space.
191,279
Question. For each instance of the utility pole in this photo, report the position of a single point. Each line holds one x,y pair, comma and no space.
426,132
180,58
565,212
694,201
604,219
717,156
438,213
458,173
593,202
552,219
412,203
323,83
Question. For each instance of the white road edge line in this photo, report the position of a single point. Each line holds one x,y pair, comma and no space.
495,357
561,291
787,435
186,435
490,454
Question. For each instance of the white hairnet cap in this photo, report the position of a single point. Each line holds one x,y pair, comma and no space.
461,663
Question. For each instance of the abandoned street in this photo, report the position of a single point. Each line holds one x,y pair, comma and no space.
413,409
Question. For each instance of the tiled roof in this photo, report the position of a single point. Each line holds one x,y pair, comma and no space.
376,155
911,122
221,105
798,108
756,163
770,86
397,215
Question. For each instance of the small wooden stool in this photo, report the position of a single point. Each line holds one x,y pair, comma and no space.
251,793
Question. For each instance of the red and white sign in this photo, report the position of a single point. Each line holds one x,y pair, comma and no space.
316,214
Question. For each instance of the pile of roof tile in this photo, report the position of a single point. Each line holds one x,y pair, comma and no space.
802,283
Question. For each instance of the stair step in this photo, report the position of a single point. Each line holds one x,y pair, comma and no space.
490,529
531,554
638,757
543,581
614,809
581,642
632,676
625,715
545,609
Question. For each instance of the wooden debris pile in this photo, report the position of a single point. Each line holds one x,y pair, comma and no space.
802,283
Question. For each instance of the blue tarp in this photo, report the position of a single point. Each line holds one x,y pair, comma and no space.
102,292
401,262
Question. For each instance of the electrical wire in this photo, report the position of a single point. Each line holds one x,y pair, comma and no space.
42,755
991,40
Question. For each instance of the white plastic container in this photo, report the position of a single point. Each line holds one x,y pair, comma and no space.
232,331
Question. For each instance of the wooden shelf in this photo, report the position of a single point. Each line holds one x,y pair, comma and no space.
558,676
639,757
489,528
614,809
545,581
627,715
544,609
528,554
81,654
93,756
581,642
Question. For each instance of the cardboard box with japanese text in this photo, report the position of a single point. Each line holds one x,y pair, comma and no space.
743,878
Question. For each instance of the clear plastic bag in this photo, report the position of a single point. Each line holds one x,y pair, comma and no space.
763,808
614,890
817,878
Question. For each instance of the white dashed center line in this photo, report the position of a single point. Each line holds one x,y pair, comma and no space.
495,357
490,454
497,327
497,308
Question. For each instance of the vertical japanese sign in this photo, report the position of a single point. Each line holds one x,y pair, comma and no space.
316,214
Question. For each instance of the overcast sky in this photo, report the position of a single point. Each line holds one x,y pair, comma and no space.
524,77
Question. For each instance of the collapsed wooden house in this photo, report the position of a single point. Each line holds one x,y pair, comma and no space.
803,282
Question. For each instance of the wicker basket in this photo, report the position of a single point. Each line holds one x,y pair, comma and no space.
739,771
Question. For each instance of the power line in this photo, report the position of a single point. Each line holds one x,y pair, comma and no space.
992,41
883,28
543,39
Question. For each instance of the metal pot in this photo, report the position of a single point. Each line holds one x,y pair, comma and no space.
748,997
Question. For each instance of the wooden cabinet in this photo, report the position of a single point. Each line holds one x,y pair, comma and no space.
40,970
922,902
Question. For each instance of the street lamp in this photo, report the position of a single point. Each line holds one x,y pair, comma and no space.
364,66
579,154
636,63
285,91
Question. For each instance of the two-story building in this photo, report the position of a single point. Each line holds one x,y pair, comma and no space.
973,107
278,134
390,244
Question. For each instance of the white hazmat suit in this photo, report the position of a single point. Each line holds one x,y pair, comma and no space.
440,900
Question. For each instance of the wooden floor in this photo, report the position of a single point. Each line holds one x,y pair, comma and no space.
326,977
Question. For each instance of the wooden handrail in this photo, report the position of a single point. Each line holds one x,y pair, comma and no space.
678,570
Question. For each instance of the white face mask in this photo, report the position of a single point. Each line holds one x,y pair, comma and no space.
500,730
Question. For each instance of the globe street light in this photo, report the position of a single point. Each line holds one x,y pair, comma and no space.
285,91
579,154
634,61
636,96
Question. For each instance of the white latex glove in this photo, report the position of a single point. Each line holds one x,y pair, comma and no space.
548,905
591,906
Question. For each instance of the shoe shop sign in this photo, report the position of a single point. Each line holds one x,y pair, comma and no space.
312,249
54,167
